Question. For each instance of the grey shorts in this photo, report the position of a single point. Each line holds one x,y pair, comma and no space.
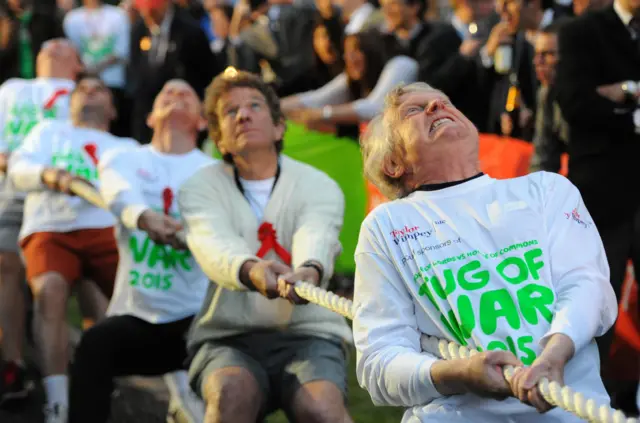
281,363
11,213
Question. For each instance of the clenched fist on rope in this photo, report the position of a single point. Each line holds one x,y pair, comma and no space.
512,269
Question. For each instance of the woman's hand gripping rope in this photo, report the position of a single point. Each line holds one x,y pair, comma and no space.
522,380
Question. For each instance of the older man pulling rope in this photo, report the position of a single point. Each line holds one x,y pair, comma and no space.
513,268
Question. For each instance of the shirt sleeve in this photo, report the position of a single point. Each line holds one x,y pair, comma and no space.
219,251
390,363
118,188
586,305
333,93
399,70
321,218
28,161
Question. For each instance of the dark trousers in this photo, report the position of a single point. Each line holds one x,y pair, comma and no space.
121,346
621,243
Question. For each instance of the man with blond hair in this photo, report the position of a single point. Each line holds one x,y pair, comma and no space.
513,268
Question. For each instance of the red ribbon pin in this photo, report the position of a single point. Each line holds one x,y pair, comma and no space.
92,151
167,200
269,239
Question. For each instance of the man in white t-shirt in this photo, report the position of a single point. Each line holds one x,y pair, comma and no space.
514,268
101,34
159,286
24,103
64,239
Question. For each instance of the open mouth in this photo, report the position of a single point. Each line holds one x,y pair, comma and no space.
439,122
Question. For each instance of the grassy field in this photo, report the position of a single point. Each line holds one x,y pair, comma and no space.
360,406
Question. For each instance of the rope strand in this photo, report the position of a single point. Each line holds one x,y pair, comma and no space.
561,396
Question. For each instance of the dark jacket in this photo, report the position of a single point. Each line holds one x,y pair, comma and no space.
597,49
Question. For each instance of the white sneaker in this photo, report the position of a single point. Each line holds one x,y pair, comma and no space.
56,413
186,408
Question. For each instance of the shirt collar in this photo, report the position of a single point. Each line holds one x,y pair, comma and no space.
547,18
463,30
624,16
165,26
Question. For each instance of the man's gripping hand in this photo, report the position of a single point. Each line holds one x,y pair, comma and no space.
480,374
161,229
263,276
60,180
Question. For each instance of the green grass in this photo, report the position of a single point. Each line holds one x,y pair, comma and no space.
360,406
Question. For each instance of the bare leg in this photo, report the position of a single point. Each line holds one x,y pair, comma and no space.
93,303
12,306
232,395
51,293
318,402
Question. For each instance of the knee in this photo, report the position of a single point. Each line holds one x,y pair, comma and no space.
51,293
319,402
230,393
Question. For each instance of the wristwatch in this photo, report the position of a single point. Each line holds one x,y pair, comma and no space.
630,90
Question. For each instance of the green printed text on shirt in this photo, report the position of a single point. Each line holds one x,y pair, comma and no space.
161,260
531,305
75,162
20,119
96,49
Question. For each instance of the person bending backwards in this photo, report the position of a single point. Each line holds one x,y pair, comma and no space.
514,268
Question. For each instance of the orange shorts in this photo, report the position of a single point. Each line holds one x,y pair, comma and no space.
86,253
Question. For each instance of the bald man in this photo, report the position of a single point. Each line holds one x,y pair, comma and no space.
23,104
159,286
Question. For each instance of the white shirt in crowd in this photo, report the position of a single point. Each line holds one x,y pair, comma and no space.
492,264
154,283
77,150
98,34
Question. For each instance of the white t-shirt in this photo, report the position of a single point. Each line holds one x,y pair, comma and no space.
492,264
154,283
257,194
100,33
77,150
24,103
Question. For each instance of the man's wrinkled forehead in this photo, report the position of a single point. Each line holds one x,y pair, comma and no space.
235,96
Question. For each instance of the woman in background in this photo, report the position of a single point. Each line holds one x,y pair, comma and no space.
357,94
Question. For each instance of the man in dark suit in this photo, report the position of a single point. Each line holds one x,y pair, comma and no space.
277,42
405,32
166,43
24,26
598,96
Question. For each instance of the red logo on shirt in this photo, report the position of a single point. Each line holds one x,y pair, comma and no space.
409,232
575,216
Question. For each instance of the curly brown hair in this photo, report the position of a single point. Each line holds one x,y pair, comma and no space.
225,82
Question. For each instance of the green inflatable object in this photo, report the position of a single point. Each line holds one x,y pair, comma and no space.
340,159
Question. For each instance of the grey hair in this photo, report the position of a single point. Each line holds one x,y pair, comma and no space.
381,139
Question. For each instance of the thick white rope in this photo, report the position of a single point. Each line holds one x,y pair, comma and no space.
555,394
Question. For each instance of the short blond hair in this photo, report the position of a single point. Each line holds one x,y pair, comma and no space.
380,139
